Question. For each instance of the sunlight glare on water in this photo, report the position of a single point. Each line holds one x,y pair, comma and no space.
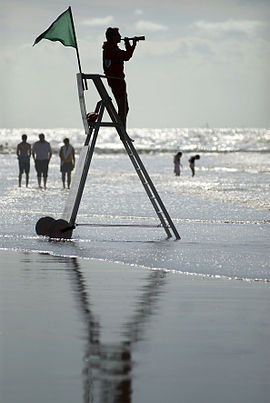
222,213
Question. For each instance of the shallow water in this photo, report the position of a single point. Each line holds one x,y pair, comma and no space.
222,214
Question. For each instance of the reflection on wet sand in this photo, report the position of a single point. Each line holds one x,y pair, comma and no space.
107,367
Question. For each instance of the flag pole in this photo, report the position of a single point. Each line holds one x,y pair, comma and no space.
77,49
76,43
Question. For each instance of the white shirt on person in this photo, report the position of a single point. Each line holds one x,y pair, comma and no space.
42,150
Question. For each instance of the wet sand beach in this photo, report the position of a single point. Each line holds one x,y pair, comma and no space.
80,330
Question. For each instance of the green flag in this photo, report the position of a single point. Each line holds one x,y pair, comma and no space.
61,30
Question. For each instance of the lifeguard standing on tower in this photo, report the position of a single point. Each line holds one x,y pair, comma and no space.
113,65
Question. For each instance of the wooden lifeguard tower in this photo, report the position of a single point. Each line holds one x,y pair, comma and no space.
63,228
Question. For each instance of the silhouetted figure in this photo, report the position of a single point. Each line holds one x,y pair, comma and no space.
67,157
24,154
177,163
192,163
113,65
42,154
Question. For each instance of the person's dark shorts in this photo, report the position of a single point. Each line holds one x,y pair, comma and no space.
119,88
66,167
24,166
42,167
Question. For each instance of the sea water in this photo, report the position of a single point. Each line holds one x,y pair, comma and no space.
222,213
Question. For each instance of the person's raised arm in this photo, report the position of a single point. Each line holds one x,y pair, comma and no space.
130,48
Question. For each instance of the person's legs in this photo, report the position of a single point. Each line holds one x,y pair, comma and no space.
122,104
68,179
20,173
123,109
177,169
120,94
38,169
63,179
39,181
27,170
45,165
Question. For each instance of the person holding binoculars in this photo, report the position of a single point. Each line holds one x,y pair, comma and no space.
113,66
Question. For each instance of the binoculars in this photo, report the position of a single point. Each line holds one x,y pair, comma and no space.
135,38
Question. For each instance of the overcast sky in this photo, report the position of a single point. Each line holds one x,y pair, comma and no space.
203,62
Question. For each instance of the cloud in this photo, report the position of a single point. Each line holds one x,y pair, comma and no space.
138,12
162,48
246,27
150,26
98,22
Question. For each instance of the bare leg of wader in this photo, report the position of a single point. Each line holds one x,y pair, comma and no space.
20,180
68,179
27,180
63,179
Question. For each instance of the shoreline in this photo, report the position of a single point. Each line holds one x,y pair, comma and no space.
139,266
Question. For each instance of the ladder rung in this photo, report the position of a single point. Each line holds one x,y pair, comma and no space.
107,124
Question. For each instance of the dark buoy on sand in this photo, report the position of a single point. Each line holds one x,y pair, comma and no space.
43,224
48,226
60,229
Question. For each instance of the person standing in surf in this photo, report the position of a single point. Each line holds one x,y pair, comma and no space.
42,154
67,157
113,66
24,154
192,163
177,163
